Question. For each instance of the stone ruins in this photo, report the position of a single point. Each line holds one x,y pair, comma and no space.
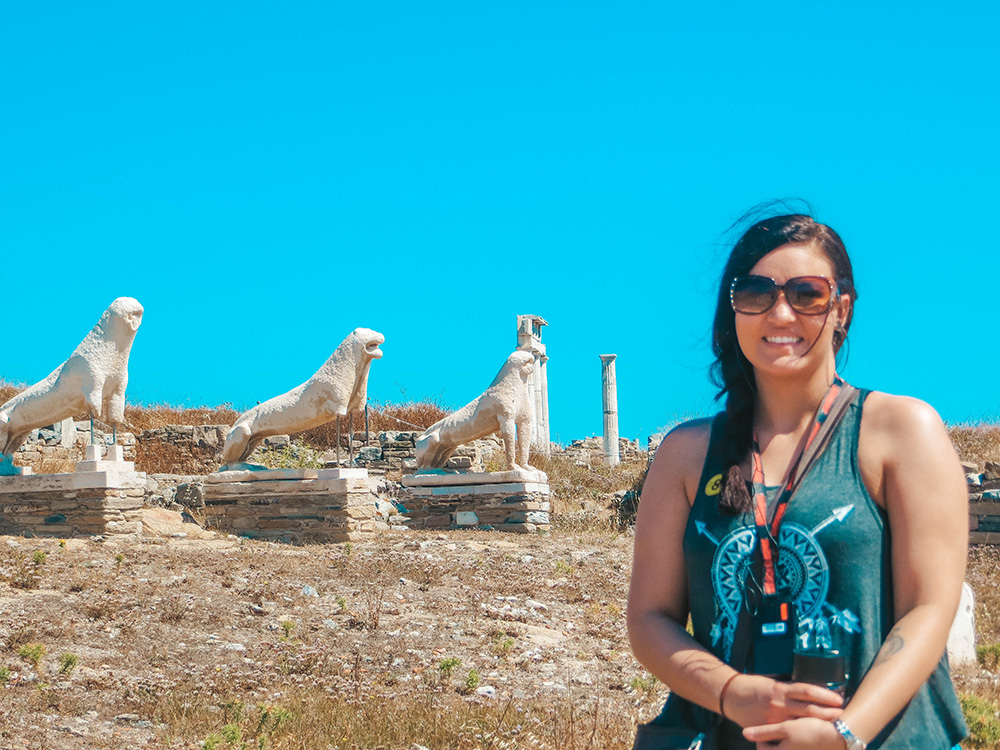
529,339
609,393
89,485
516,499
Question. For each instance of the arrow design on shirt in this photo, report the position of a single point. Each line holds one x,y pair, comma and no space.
837,514
700,525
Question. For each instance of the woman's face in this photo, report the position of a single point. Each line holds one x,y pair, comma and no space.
781,341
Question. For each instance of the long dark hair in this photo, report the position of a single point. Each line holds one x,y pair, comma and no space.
732,371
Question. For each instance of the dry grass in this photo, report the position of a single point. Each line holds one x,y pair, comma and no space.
155,416
381,418
155,457
169,633
976,443
9,390
583,496
979,684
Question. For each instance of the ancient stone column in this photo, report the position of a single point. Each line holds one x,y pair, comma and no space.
543,427
529,339
611,456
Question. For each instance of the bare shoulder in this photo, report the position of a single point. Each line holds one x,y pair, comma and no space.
686,442
902,441
680,457
900,420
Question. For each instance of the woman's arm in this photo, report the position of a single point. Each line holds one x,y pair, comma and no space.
910,467
658,599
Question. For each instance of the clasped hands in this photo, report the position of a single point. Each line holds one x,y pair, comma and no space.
785,715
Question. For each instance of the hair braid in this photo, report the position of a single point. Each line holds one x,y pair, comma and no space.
731,371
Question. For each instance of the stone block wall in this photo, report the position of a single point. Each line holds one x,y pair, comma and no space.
984,503
589,451
296,511
181,449
62,509
396,451
521,509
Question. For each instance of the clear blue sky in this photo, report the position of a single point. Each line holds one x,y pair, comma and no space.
264,178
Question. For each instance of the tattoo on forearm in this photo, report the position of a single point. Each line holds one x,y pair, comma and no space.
893,645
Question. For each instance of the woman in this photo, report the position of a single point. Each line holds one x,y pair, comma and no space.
871,547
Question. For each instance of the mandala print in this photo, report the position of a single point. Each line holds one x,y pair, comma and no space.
803,576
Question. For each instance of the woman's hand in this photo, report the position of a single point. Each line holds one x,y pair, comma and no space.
796,734
753,700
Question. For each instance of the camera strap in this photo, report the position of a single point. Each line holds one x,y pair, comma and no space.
831,409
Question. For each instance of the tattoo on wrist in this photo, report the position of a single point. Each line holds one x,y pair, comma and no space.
893,645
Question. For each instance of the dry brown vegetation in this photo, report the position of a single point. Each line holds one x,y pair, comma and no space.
977,443
464,640
216,645
9,390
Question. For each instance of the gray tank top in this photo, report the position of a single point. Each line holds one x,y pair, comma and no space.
834,564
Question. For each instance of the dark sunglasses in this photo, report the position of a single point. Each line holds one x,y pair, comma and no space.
806,295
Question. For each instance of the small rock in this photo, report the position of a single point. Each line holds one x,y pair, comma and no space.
535,605
256,609
583,679
127,718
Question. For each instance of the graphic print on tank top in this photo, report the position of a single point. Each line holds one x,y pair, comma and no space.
803,575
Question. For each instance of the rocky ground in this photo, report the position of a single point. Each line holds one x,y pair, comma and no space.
407,640
234,643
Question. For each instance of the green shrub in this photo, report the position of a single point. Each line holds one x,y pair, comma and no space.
989,656
472,680
67,663
32,653
984,726
644,684
447,666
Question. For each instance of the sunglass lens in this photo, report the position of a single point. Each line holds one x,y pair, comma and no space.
809,296
753,294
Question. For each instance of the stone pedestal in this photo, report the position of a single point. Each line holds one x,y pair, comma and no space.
101,497
505,501
290,505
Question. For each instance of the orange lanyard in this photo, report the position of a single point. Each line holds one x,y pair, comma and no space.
767,534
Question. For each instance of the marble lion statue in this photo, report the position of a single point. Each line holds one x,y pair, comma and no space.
340,386
92,380
505,407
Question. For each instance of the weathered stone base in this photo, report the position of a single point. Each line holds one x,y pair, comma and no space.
85,503
520,507
322,509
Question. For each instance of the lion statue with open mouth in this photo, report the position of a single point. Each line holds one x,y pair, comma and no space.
339,387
